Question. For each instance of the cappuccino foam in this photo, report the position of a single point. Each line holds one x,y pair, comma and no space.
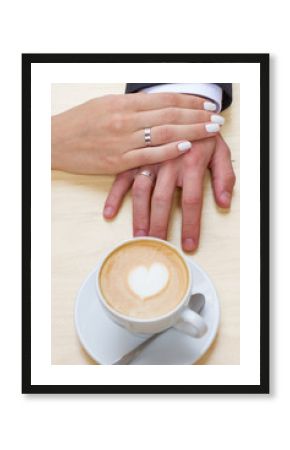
143,279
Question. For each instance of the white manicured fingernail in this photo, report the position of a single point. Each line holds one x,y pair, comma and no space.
209,106
212,127
217,119
184,146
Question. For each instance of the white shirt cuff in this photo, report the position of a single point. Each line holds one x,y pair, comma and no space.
210,91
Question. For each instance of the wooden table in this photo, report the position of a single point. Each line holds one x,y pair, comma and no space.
80,235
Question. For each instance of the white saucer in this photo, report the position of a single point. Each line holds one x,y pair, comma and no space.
106,342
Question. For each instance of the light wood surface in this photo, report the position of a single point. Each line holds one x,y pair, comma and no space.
80,235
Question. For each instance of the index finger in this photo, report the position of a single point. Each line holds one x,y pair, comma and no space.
145,102
119,189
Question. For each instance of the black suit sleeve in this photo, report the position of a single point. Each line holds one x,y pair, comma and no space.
226,87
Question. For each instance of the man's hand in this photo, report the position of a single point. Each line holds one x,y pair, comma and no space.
152,203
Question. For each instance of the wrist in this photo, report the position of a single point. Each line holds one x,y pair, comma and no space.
57,142
209,91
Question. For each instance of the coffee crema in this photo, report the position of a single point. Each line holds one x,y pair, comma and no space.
143,279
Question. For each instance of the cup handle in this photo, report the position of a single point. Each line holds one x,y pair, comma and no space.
191,323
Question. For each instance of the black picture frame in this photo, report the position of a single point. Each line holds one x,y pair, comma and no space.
27,61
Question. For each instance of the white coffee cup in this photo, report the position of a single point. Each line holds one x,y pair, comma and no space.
182,317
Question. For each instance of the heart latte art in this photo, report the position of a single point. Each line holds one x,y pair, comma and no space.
146,282
143,279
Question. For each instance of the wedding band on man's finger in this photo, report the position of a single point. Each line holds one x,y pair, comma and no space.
147,173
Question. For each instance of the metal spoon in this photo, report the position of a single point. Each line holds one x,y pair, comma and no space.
196,303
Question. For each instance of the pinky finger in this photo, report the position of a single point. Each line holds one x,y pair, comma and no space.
117,193
223,175
153,155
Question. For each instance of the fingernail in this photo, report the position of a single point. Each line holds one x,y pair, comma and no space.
188,244
108,211
217,119
209,106
184,146
225,198
140,233
212,127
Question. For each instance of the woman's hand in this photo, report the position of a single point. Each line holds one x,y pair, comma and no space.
106,135
152,202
